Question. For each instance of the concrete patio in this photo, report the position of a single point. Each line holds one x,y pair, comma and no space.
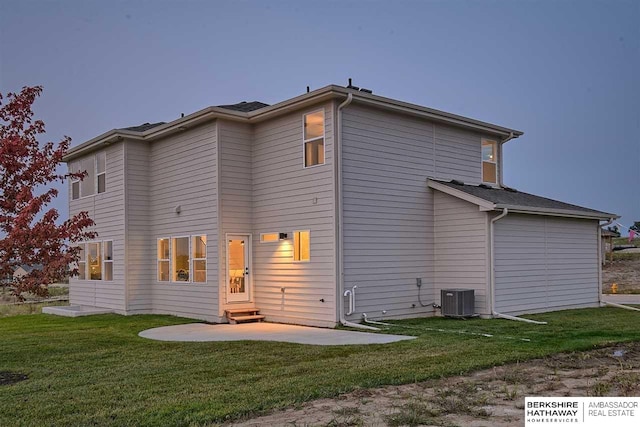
268,332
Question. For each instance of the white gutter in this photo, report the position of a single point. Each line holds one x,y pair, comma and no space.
340,234
504,213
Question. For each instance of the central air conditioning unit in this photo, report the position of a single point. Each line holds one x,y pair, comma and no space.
457,302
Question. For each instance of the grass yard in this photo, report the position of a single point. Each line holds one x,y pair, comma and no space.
97,371
7,310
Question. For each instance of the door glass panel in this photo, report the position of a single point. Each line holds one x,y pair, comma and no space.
237,264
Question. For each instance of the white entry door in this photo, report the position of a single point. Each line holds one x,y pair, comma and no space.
238,266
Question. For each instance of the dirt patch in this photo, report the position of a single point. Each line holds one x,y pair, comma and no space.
8,378
492,397
624,273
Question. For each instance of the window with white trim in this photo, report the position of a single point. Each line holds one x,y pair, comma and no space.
163,260
95,261
302,245
75,182
82,263
269,237
489,161
101,171
199,257
95,180
182,259
107,250
313,139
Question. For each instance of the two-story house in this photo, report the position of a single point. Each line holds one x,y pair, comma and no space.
318,209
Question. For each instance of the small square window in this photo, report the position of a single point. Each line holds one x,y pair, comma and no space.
269,237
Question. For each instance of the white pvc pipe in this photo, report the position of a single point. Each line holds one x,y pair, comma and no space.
366,320
626,307
347,294
353,299
504,213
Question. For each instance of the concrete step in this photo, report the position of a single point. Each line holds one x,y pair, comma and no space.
234,311
242,319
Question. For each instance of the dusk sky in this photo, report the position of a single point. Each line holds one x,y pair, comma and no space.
567,73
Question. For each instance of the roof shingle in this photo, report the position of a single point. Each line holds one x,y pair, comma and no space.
508,197
143,127
244,106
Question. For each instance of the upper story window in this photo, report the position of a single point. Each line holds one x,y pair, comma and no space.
314,139
95,181
489,161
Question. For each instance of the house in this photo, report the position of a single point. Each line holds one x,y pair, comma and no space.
318,209
23,270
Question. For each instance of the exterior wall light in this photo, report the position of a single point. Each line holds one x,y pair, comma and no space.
283,236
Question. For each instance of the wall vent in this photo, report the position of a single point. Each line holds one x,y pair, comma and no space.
457,302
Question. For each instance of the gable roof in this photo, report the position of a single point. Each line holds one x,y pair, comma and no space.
255,111
490,198
245,106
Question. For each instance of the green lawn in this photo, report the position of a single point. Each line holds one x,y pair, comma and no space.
97,371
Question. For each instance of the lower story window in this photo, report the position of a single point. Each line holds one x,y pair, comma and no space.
182,259
108,260
301,245
95,261
82,263
163,260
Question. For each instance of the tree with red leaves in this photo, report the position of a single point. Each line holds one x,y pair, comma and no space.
28,235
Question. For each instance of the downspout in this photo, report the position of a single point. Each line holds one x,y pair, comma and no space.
504,213
339,236
507,139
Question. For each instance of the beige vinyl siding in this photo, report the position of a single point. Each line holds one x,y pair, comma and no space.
183,173
388,212
288,197
236,205
458,154
141,261
107,210
545,263
461,239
